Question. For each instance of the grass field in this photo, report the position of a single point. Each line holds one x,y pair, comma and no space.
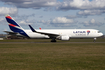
53,56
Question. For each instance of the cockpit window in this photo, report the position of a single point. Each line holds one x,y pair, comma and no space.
99,31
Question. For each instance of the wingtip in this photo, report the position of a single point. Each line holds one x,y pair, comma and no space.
32,29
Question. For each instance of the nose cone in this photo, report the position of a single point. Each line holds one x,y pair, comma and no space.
101,34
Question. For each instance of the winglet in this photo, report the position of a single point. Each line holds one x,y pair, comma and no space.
32,29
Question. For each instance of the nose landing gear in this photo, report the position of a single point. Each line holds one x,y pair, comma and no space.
94,39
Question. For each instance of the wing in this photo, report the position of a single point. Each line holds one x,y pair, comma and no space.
45,33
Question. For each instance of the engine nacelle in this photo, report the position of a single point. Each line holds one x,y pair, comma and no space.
64,37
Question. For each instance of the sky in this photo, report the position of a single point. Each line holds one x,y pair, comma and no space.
54,14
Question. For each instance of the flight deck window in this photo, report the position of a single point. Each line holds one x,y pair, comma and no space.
99,31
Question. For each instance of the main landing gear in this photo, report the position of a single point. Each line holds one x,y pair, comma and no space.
53,40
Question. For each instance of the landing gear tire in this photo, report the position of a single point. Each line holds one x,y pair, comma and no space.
53,40
94,39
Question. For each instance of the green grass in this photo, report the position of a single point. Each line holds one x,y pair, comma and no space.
52,56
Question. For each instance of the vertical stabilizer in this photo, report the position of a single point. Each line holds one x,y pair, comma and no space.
15,27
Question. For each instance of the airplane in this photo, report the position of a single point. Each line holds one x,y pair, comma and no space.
60,34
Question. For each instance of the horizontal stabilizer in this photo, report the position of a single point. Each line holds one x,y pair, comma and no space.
9,32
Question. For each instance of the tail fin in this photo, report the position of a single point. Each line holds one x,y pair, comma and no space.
14,26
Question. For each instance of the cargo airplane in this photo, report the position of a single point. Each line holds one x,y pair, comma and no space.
60,34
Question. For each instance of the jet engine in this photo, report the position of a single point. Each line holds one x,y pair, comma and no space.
63,37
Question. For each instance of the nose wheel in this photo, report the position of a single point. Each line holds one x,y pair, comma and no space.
95,39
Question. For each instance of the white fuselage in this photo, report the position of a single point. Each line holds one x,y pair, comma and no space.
72,33
62,34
